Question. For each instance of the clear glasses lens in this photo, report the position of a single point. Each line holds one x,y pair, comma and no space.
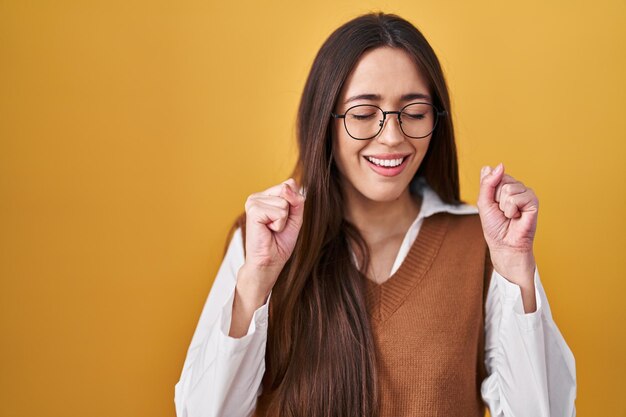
418,120
365,121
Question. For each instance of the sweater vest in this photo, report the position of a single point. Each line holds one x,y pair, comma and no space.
427,321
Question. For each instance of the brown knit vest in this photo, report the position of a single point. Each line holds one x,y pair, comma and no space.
428,323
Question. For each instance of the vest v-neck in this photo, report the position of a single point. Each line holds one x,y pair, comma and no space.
385,298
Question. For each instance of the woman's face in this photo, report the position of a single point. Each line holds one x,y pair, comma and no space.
391,80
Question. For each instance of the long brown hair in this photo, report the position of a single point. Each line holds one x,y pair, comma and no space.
320,356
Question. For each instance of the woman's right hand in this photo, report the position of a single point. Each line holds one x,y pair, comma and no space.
273,221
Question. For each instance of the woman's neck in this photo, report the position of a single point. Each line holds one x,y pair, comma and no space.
379,221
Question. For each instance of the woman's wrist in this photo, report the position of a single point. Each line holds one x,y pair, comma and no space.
517,268
251,286
249,296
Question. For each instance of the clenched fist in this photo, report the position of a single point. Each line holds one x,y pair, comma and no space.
273,221
508,213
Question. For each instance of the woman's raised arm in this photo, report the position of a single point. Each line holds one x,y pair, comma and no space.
226,360
531,370
222,374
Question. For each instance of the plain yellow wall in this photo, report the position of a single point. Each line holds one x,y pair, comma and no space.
133,131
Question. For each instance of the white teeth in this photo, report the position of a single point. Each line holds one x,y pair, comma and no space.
385,162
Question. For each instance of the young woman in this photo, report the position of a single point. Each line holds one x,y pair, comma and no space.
363,285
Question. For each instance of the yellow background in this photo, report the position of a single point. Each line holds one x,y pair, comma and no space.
132,133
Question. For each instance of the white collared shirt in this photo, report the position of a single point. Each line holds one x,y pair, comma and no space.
531,370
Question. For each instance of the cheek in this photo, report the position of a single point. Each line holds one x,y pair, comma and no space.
347,152
421,148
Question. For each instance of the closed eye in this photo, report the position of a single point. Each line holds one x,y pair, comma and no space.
362,116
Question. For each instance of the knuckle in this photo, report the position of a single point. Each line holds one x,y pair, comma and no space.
251,201
252,209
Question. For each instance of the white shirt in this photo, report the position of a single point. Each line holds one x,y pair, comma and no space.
531,370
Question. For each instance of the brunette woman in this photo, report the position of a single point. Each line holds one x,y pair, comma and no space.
364,285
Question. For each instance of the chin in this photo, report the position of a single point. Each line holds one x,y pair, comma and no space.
383,193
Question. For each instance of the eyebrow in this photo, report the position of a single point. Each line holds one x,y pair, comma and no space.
374,97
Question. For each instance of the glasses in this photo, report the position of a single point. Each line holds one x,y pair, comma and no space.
365,121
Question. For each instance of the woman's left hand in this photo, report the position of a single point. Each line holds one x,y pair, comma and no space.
508,214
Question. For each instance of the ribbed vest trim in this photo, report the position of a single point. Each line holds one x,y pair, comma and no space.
385,298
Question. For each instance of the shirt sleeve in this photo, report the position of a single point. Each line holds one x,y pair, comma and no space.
530,369
222,375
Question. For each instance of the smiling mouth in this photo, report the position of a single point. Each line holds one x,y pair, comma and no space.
386,163
388,167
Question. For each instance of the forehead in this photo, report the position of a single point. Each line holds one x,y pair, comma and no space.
389,72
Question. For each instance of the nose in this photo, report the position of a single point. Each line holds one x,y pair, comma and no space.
391,134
